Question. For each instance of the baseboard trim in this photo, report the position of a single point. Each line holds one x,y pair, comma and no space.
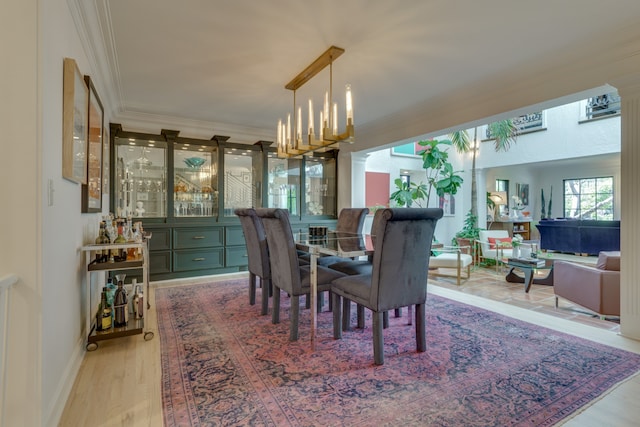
54,410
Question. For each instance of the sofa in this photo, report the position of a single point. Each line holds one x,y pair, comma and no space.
594,287
579,236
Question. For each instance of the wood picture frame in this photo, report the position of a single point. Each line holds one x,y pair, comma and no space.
75,104
92,190
106,160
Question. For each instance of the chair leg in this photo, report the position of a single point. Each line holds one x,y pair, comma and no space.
337,316
421,337
307,301
378,339
346,314
330,297
275,314
266,290
409,315
397,312
295,315
360,314
556,302
385,319
252,288
319,301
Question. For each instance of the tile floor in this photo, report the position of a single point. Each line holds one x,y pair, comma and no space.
488,283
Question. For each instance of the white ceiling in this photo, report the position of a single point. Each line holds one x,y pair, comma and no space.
223,64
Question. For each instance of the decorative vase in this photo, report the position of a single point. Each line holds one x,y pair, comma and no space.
516,251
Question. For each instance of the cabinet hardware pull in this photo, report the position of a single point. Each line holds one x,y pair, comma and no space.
199,259
198,237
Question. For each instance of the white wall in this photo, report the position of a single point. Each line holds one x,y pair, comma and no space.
19,215
382,161
64,228
537,159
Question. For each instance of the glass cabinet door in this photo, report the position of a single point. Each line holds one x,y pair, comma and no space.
319,186
242,179
283,181
140,178
195,192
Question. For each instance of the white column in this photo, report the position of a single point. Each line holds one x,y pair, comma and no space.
629,91
481,192
358,184
351,179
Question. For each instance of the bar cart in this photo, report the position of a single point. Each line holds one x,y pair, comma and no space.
135,325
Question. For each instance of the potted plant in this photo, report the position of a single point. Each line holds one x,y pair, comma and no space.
469,233
516,242
440,177
409,193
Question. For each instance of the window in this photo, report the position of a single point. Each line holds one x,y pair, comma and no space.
589,198
603,106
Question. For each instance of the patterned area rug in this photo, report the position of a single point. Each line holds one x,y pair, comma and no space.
224,364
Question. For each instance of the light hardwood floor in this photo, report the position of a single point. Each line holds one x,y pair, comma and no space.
119,384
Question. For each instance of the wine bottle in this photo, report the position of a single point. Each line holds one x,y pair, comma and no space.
120,305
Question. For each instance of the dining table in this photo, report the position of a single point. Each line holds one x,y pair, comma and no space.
336,243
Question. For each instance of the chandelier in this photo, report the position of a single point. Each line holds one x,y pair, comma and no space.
290,141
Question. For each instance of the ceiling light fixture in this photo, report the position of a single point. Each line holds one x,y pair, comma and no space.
289,140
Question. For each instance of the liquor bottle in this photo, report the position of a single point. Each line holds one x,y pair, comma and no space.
106,311
120,305
102,255
122,253
111,291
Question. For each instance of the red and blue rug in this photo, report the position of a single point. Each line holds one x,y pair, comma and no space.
224,364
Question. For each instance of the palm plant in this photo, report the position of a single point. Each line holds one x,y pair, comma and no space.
504,133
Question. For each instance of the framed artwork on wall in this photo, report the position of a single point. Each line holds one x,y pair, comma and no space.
75,103
523,192
448,204
407,150
92,190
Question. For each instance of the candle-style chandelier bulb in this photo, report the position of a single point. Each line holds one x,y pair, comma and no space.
290,140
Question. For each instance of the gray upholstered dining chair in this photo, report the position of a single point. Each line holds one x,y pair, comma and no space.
350,220
286,272
399,273
258,254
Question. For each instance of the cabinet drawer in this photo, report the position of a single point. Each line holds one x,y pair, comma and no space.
236,256
203,237
160,239
186,260
234,236
159,262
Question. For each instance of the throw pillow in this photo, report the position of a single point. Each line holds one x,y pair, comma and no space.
505,242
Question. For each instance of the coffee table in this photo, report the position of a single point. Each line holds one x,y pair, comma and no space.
529,271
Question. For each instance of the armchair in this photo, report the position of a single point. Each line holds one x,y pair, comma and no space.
451,257
596,288
492,249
